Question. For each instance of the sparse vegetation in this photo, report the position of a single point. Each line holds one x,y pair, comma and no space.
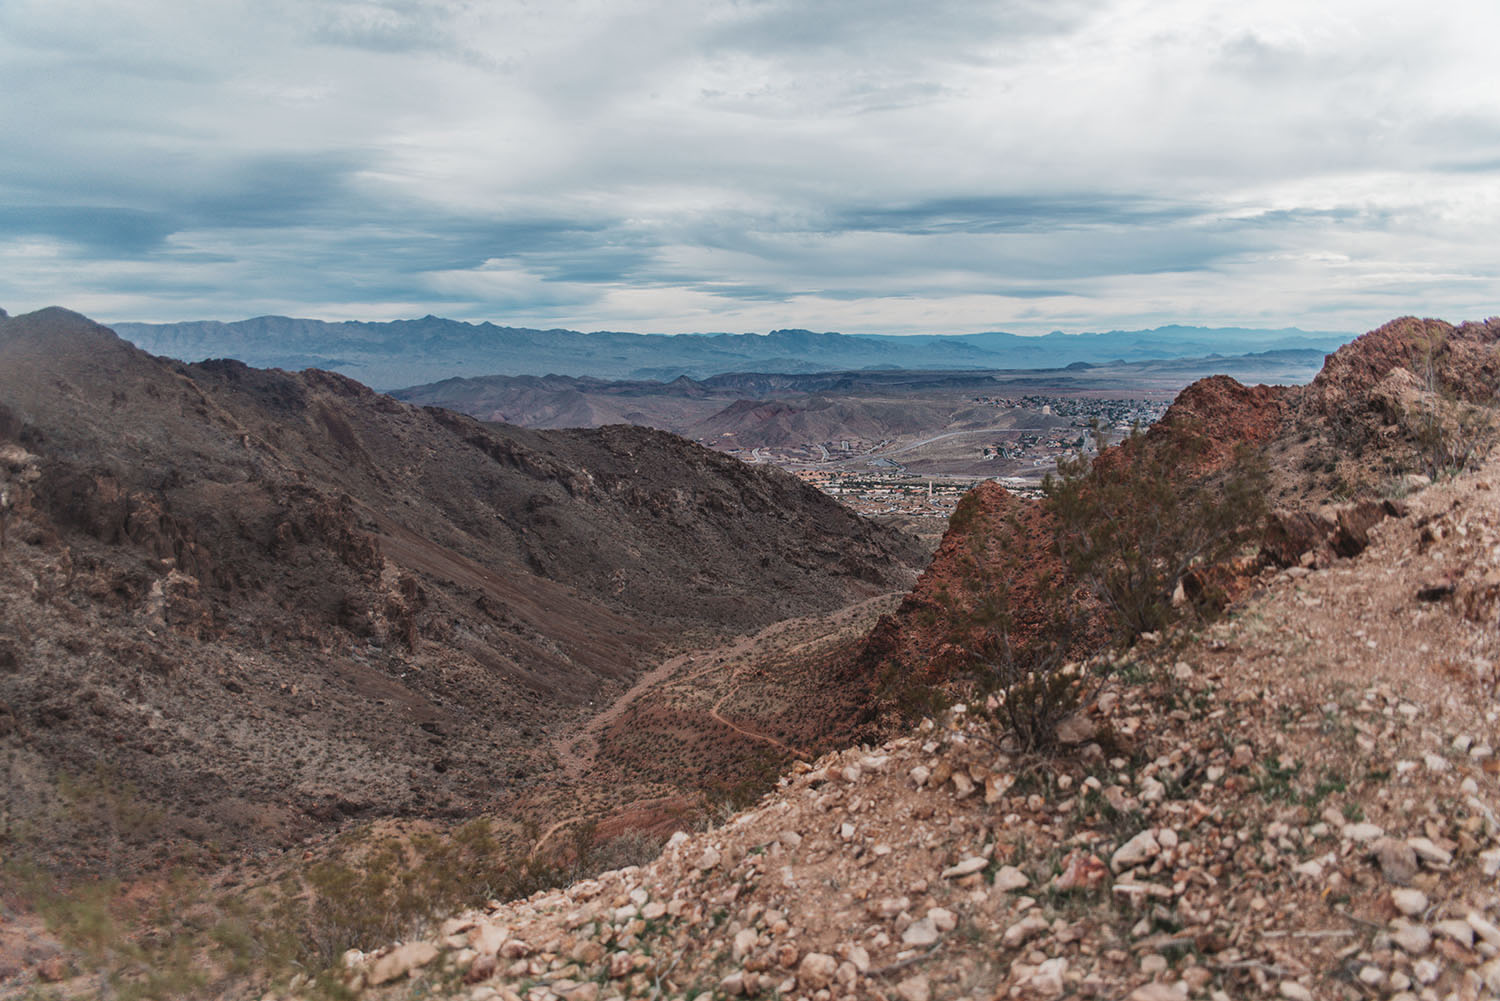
1124,530
1132,528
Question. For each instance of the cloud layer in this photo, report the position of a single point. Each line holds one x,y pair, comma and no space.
861,165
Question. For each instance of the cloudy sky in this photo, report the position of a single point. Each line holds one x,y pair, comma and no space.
871,166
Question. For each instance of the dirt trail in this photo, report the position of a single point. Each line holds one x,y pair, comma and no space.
714,712
730,658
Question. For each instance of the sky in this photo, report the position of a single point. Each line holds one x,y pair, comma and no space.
868,166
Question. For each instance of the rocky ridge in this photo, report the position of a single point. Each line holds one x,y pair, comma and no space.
249,606
1299,801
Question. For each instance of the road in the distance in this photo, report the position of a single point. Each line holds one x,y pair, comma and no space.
955,434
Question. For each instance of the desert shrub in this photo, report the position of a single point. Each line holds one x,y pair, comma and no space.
1014,648
1452,431
1116,537
1129,529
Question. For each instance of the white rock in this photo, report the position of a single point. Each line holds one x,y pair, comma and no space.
402,960
1490,974
1293,991
924,933
965,867
1460,931
1010,878
1414,940
1426,971
1156,991
1141,848
1483,928
914,989
1048,978
744,943
1430,853
1435,762
1408,901
1312,869
942,919
816,971
708,859
920,774
1363,832
1024,929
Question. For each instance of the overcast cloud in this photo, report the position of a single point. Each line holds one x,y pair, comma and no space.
703,165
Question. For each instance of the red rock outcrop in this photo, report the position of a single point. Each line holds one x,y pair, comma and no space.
1461,359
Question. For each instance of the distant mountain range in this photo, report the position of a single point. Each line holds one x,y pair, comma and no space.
407,352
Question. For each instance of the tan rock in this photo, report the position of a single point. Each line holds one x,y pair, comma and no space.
1076,729
816,971
1025,929
486,939
996,786
916,988
1141,848
1409,902
587,952
744,941
401,961
1008,878
1397,860
920,933
965,867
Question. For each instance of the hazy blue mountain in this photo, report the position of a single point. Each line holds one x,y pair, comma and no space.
408,352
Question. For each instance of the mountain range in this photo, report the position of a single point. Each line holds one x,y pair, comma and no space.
400,353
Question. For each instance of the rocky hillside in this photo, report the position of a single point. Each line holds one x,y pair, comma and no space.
1333,449
1299,801
245,605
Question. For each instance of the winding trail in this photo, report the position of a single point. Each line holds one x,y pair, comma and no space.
731,655
577,752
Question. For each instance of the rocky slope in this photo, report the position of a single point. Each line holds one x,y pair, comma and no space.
1333,449
1299,801
242,605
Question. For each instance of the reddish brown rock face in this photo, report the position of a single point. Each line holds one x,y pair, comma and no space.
1463,359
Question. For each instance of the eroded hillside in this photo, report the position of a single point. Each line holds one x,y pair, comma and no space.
256,603
1298,801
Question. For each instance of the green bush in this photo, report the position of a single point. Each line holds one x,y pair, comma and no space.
1130,528
1015,655
1118,535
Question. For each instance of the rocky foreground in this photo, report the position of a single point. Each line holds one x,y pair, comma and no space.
1298,801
